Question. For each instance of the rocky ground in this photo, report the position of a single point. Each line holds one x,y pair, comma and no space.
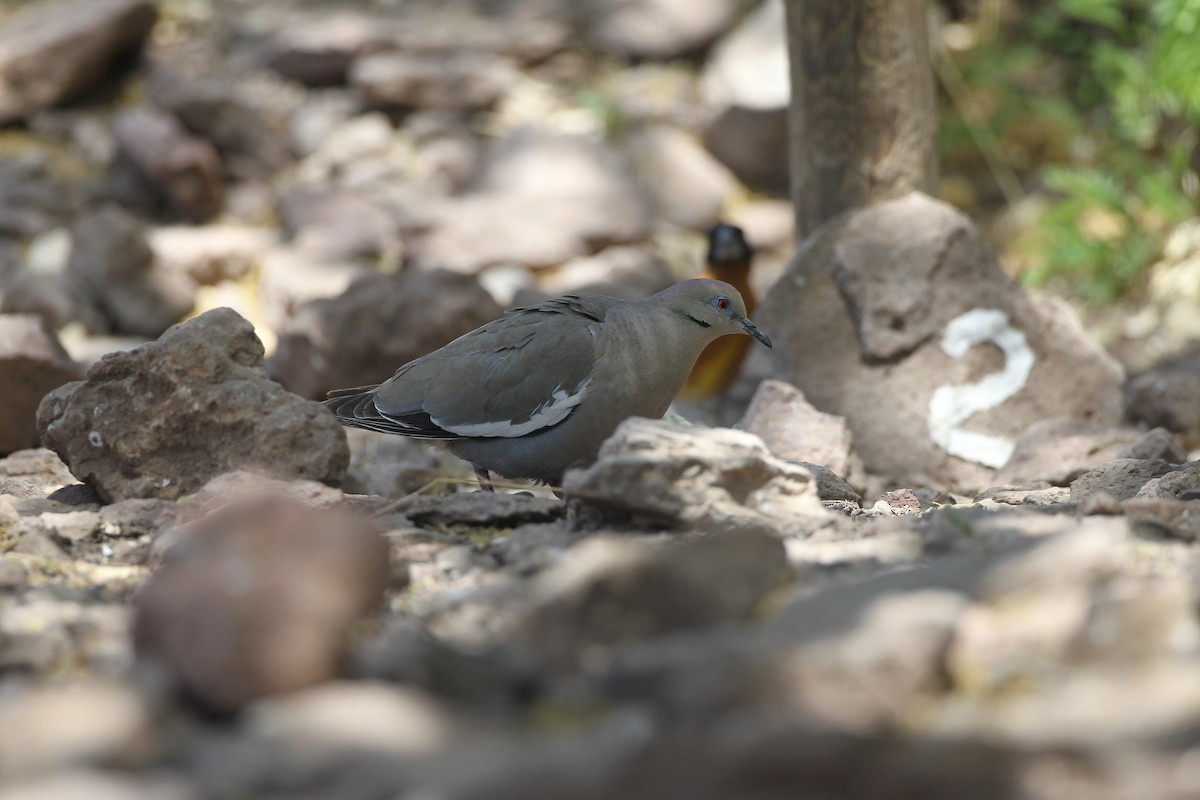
945,547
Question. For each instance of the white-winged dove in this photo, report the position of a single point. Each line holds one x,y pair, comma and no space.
537,391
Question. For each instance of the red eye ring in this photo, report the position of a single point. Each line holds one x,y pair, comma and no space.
722,304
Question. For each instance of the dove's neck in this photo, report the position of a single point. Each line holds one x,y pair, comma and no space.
652,350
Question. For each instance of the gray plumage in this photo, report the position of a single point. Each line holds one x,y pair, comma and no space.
537,391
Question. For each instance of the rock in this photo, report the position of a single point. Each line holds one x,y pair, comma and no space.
42,284
1181,483
463,81
374,716
214,107
1167,398
708,479
44,637
110,256
210,254
31,201
657,29
257,599
769,223
1120,479
162,420
897,647
752,143
71,527
378,324
541,200
608,592
900,295
1015,496
1156,443
56,727
53,52
320,52
184,170
32,362
686,185
320,49
830,487
746,82
231,486
97,784
781,416
339,225
1158,517
387,466
631,272
902,502
1058,451
478,509
291,278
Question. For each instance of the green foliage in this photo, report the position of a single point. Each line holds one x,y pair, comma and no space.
1101,100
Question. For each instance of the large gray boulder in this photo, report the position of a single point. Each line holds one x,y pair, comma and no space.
897,318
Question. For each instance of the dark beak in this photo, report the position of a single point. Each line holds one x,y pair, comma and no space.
752,329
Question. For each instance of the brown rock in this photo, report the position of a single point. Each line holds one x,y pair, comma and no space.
257,599
1182,483
380,323
213,107
110,256
542,200
364,715
1168,398
1058,451
1156,443
340,225
319,52
1163,517
465,81
58,726
291,278
685,183
161,420
477,509
320,49
387,466
782,417
630,272
752,143
185,170
1120,479
708,479
830,487
44,637
900,295
659,29
52,52
210,254
32,362
746,81
13,576
610,591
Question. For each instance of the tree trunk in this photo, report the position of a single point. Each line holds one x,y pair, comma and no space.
863,119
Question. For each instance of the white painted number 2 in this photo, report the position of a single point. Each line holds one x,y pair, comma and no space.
951,406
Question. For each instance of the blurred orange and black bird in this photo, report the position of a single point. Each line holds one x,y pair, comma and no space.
729,258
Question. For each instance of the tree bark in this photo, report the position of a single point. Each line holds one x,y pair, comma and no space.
862,119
